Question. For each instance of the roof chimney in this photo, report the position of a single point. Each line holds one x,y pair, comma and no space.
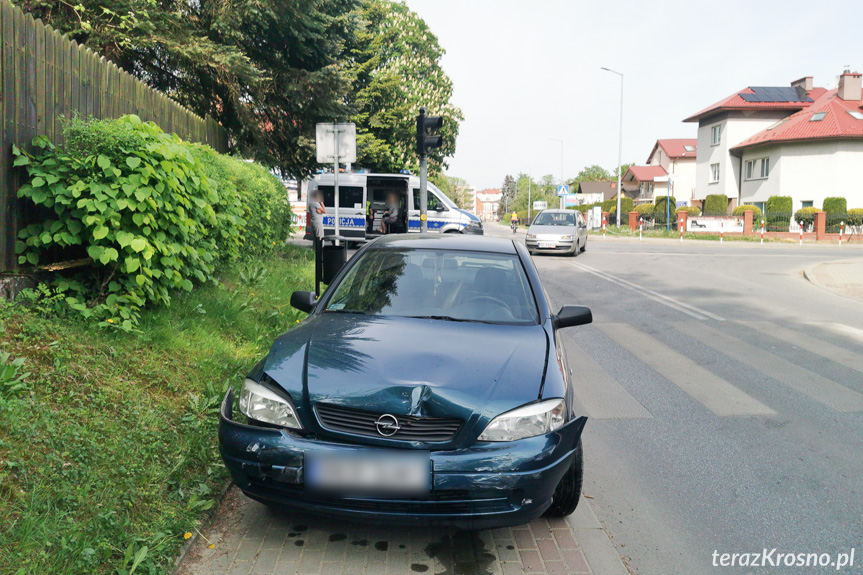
805,83
850,86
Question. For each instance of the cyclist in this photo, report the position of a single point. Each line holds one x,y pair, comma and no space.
513,221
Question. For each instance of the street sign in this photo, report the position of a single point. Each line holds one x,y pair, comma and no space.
570,200
326,143
562,190
540,205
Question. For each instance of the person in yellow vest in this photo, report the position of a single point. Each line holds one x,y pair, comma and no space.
513,221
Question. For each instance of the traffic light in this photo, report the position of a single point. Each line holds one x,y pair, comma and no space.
426,128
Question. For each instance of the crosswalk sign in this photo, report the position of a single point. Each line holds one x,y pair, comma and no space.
562,190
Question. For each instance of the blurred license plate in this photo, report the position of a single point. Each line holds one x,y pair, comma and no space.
379,473
547,245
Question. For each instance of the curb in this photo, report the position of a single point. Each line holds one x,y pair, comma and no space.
810,275
187,546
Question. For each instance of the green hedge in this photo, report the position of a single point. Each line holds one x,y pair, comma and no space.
806,215
835,205
855,217
155,214
691,210
740,211
626,206
645,211
716,204
659,209
780,204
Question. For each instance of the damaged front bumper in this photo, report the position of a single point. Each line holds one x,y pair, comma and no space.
483,486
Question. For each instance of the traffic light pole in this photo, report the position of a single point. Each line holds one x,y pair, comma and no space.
424,173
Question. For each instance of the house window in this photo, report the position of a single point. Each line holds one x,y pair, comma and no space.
817,116
688,148
856,115
716,134
650,188
714,173
757,169
806,204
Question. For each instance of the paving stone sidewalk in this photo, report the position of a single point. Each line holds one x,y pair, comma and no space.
249,539
844,277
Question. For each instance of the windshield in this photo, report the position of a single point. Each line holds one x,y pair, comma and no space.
446,285
554,219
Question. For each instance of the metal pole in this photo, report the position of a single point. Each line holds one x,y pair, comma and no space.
620,153
667,207
336,178
529,178
424,168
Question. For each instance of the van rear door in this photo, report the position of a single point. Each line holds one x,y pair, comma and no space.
378,188
352,219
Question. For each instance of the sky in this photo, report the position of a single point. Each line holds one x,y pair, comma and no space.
527,72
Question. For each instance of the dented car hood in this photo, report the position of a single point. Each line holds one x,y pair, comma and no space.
408,366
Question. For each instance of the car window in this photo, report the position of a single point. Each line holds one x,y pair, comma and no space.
432,200
349,196
555,219
457,286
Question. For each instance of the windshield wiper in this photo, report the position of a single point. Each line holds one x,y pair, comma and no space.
442,317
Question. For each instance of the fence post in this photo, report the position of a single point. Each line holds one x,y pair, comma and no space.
721,231
762,232
801,233
841,231
640,227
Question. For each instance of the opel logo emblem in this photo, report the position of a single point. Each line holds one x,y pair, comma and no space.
387,425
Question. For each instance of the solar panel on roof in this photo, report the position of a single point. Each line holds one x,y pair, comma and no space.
772,94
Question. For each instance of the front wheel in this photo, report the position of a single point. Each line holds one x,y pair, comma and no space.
584,247
568,491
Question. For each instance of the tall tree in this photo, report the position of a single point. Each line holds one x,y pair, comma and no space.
507,194
396,69
456,189
267,70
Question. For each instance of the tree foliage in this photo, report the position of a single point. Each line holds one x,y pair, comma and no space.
456,189
396,69
267,70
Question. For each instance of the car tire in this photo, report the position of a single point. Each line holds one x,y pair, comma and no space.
584,247
568,491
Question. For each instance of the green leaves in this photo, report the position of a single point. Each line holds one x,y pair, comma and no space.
133,162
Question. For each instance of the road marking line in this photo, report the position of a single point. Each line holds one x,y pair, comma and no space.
817,346
842,329
601,396
689,310
817,387
713,392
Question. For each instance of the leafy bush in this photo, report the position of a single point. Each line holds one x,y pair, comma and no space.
691,210
716,205
11,379
855,217
806,215
659,209
626,206
835,205
780,204
266,210
645,211
741,210
608,204
152,222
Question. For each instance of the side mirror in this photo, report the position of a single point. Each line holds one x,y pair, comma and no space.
440,208
572,315
305,301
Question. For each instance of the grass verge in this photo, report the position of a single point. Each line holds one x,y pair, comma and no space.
624,231
108,456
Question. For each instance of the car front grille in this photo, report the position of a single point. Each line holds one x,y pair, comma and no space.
359,422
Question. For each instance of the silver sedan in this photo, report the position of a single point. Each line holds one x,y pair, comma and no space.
557,231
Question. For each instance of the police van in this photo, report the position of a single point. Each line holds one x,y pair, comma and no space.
363,200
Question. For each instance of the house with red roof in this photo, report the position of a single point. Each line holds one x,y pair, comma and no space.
675,157
799,141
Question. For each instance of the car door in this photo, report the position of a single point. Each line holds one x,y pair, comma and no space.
436,212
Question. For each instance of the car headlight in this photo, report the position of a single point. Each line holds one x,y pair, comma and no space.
474,224
262,404
566,237
531,236
526,421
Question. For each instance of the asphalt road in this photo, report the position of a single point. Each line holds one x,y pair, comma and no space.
726,397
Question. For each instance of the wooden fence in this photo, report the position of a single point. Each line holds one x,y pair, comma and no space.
45,76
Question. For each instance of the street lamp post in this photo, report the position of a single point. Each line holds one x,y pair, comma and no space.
619,145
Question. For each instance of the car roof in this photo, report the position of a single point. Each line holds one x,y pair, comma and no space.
558,211
453,242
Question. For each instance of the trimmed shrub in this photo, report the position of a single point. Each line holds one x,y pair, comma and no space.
608,204
626,206
855,217
659,209
645,211
780,204
716,205
691,210
806,216
835,205
153,213
740,211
